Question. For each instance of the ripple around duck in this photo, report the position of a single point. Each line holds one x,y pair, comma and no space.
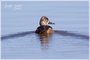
61,32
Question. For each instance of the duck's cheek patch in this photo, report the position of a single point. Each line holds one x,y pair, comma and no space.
44,23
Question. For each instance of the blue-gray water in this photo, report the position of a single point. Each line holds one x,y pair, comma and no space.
20,19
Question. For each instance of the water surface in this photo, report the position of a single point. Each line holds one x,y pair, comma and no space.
20,20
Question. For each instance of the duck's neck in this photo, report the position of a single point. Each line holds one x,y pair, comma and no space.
44,25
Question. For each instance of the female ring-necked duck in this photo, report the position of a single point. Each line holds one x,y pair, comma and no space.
44,26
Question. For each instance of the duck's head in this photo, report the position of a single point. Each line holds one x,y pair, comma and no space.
44,21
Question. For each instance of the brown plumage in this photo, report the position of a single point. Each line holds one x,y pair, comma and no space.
44,27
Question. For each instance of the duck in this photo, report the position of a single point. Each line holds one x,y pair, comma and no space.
44,27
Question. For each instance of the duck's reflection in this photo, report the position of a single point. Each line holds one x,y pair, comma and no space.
45,40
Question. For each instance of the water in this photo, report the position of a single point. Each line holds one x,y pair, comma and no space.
20,20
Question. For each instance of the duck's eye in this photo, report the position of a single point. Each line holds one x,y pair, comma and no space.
46,18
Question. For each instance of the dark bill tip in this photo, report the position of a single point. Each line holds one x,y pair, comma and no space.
51,23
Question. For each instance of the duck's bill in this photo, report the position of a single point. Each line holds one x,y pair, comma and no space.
51,23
